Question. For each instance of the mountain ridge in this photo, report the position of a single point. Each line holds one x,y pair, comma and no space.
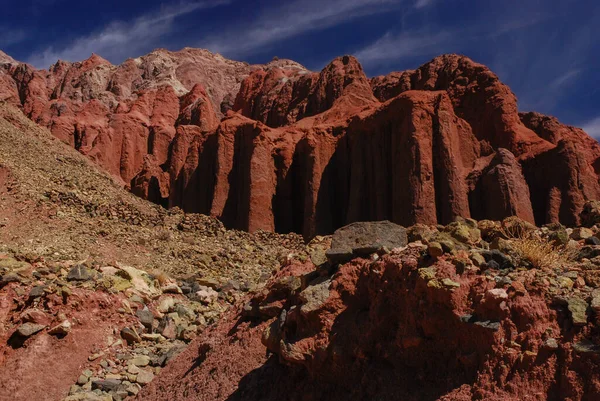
281,148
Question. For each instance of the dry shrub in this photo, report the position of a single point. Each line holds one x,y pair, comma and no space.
163,235
161,277
539,251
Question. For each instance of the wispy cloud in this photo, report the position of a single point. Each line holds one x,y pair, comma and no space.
564,79
9,37
121,39
291,19
431,39
592,127
396,46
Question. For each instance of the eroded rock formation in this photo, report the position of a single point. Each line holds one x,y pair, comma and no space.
444,321
278,147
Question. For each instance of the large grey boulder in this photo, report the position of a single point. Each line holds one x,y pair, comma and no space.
364,238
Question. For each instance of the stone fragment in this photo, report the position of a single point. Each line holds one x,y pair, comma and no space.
435,250
61,329
146,317
578,308
80,273
130,335
107,385
139,360
28,329
580,233
315,295
144,377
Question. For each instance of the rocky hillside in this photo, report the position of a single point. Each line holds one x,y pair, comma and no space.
84,265
280,148
468,311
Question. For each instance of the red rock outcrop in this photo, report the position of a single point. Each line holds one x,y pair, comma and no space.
119,114
424,329
310,152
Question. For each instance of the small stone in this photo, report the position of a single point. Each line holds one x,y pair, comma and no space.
559,237
318,256
427,273
578,308
133,389
146,317
435,250
139,360
450,284
132,369
10,278
154,337
207,295
315,295
144,377
579,282
564,282
494,326
136,299
106,385
130,335
61,329
185,312
171,288
592,241
169,328
496,294
580,233
502,260
37,291
551,343
518,288
209,282
83,379
79,273
502,281
28,329
34,315
477,258
166,305
93,357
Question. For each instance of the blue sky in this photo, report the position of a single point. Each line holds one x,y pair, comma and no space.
547,51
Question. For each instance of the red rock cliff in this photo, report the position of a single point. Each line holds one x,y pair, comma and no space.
278,147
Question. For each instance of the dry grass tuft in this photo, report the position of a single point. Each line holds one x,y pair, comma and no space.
539,251
163,235
161,277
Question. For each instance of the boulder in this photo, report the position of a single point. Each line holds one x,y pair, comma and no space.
364,238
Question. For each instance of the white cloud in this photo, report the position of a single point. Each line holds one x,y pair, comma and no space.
396,46
291,19
592,127
565,78
120,39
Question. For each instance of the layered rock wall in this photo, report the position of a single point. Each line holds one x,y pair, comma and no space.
278,147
